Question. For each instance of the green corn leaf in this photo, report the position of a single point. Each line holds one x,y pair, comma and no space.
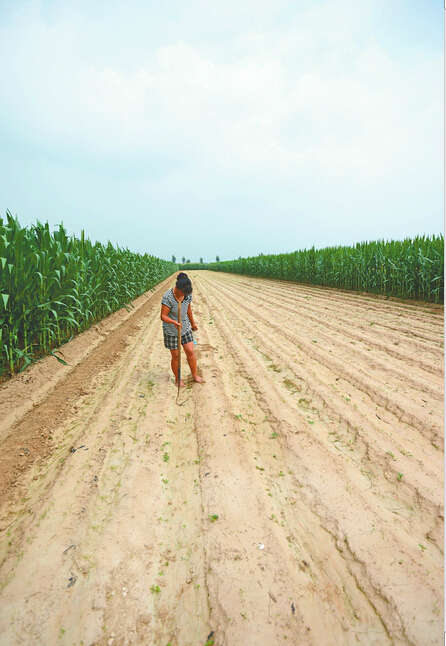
53,354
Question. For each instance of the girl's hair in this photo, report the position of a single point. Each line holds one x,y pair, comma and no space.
183,283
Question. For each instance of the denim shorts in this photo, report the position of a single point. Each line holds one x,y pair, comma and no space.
171,342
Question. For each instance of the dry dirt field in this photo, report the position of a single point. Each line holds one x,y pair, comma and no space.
295,498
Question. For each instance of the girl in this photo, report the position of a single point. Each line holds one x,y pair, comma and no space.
181,295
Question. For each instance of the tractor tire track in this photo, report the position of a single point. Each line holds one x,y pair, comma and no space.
407,411
320,392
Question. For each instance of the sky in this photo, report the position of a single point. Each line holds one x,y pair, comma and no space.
223,128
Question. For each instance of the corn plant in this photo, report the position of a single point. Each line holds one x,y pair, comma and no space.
410,268
53,286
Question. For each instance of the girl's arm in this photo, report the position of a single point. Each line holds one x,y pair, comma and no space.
165,309
191,317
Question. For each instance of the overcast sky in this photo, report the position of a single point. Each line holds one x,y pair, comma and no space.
230,127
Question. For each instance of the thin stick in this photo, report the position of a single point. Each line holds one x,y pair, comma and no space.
179,354
179,348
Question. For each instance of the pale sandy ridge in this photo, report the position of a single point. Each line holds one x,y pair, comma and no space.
228,313
374,377
267,509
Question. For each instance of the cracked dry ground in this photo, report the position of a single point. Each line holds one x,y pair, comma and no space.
294,498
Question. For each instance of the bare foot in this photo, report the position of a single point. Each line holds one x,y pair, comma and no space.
198,379
181,383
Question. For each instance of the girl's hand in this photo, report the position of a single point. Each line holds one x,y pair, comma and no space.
195,327
177,324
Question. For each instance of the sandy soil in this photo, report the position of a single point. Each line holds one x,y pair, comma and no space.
296,497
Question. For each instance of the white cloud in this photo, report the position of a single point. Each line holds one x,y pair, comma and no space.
228,113
315,97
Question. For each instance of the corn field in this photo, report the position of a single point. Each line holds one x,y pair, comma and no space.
53,286
411,268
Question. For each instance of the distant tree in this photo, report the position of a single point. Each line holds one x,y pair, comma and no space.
183,259
174,259
217,258
201,260
187,260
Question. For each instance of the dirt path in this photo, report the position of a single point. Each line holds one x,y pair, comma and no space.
295,498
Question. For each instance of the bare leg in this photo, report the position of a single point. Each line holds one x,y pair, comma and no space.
174,366
192,361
